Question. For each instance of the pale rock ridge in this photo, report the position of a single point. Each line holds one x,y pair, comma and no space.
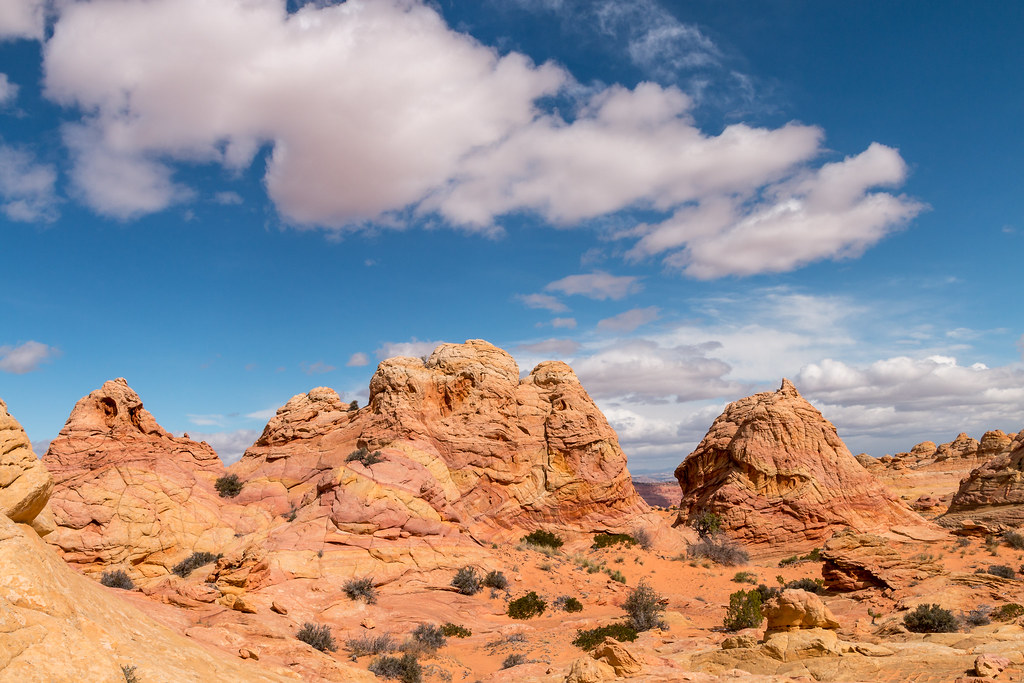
25,483
128,492
777,473
993,494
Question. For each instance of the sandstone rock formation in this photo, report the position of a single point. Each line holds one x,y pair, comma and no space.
796,609
993,494
455,444
856,561
129,493
25,483
777,473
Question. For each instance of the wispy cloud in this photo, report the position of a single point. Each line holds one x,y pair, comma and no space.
628,321
553,347
228,198
545,301
317,368
358,360
229,445
8,91
27,188
567,323
26,357
206,420
413,348
597,285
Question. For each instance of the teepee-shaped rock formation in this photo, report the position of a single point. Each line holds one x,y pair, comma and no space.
458,444
127,491
777,473
993,493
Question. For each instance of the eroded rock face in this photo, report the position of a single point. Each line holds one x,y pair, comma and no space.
129,493
856,561
25,483
796,609
993,493
464,446
777,473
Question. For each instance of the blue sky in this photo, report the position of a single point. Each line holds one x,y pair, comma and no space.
230,203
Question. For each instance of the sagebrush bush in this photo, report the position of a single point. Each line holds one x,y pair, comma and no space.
118,579
616,575
808,584
745,577
719,550
706,523
514,659
467,581
496,580
608,540
1008,612
813,556
429,637
371,645
567,603
744,610
455,631
1014,539
194,562
406,668
318,636
364,456
543,538
979,616
644,606
129,673
930,619
228,486
354,405
1002,571
526,607
585,640
361,589
643,537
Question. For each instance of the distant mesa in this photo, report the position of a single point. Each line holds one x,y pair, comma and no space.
778,474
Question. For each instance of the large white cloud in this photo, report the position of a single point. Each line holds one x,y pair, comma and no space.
375,107
22,19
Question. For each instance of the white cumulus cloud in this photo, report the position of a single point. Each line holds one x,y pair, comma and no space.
358,360
597,285
27,188
25,357
8,90
628,321
22,19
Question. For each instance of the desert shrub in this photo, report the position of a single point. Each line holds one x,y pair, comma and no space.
718,550
361,589
530,605
406,668
567,603
962,542
930,619
767,593
467,581
813,556
744,610
643,537
128,671
317,636
706,523
808,584
514,659
616,575
371,645
118,579
608,540
590,638
644,606
980,616
1002,571
745,577
1008,612
1014,539
429,637
354,405
495,579
451,630
194,562
364,456
228,486
543,538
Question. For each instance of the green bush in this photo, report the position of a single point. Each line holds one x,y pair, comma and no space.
118,579
354,405
228,486
361,589
317,636
745,577
514,659
644,606
930,619
530,605
616,575
706,523
567,603
451,630
744,610
808,584
718,550
543,538
585,640
608,540
406,668
467,581
1008,612
364,456
767,593
495,579
813,556
194,562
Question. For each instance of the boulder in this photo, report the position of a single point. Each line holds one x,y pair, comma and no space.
796,609
618,657
777,473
